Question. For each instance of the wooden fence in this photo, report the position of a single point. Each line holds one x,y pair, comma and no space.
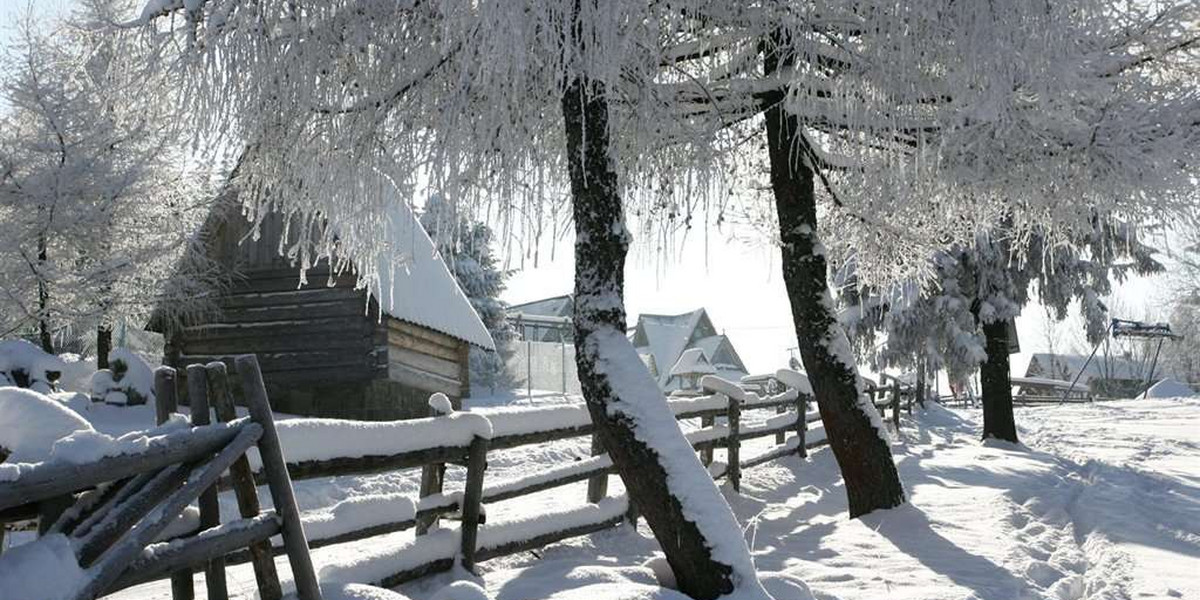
114,508
464,439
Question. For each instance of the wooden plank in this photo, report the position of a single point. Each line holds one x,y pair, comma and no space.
243,487
449,369
399,339
294,342
734,444
597,484
210,511
365,465
278,481
289,297
114,562
472,502
422,380
349,307
549,538
356,324
424,333
192,551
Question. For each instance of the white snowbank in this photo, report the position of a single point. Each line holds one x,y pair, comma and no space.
619,591
461,590
30,424
45,569
1169,388
358,591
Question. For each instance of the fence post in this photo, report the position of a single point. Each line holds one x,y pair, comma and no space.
734,445
166,403
261,556
472,500
278,479
597,485
781,437
896,405
706,454
802,423
210,511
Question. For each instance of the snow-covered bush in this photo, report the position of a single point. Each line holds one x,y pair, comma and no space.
30,424
24,365
128,381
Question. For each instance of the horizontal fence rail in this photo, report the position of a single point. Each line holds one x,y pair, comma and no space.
323,448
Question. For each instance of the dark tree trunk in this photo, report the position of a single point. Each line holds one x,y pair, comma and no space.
996,386
862,455
601,244
920,389
103,345
43,299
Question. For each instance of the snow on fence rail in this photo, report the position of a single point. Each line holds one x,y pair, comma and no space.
104,515
319,448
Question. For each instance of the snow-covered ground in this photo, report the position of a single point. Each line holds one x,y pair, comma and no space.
1101,503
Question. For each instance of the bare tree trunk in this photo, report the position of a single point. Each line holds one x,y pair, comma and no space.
920,389
103,345
998,421
855,438
601,245
43,298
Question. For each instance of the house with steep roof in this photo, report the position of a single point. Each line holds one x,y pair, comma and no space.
328,347
1102,375
662,340
545,320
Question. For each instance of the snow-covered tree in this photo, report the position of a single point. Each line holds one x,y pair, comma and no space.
466,246
959,319
96,197
343,100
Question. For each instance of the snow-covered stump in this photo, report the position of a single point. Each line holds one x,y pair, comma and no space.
165,405
210,510
242,478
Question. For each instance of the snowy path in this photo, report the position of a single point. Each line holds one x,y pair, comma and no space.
1103,504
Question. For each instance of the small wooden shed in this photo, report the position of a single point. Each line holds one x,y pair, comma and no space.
326,348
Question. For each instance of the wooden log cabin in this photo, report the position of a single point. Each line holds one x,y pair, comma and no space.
324,346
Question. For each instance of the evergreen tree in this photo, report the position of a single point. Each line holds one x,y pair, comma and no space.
466,246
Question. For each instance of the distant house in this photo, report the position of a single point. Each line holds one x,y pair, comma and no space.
325,347
546,320
661,340
691,366
1110,376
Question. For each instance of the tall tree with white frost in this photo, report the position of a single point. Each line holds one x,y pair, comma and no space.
959,319
95,195
466,246
347,102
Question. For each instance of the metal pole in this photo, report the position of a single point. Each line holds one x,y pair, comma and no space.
1153,366
1070,389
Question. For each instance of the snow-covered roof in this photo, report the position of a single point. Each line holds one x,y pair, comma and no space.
1111,368
558,306
691,362
666,337
422,290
